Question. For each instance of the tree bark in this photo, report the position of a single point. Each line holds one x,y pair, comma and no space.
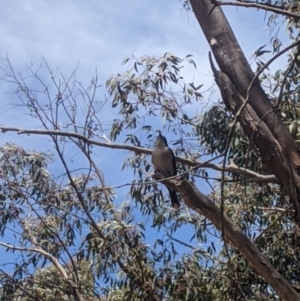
203,205
278,150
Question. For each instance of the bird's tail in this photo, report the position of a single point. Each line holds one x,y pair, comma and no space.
174,199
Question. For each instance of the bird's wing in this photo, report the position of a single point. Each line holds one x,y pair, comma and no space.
173,162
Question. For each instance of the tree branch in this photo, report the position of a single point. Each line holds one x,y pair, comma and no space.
52,259
18,285
203,205
284,211
253,176
270,8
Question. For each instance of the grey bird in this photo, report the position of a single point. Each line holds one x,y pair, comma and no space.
163,160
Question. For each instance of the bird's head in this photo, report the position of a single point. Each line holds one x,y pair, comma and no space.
161,140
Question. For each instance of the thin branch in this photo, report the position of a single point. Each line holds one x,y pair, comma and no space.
230,168
259,6
283,81
59,239
180,242
111,251
51,258
97,171
274,209
18,285
243,106
203,205
273,223
258,73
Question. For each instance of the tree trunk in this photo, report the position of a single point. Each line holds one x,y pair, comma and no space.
277,147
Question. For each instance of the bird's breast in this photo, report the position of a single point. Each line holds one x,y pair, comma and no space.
162,161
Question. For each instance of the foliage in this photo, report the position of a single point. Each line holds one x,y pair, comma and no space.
80,240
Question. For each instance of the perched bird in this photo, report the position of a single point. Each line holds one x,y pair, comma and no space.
163,160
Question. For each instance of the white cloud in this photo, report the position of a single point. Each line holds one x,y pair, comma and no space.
101,33
98,33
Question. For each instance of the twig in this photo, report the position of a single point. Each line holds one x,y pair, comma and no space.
273,223
18,285
181,242
48,256
274,209
259,6
284,81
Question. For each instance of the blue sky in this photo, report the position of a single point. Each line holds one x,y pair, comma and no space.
100,34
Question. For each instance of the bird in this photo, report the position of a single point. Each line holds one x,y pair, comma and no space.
163,160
